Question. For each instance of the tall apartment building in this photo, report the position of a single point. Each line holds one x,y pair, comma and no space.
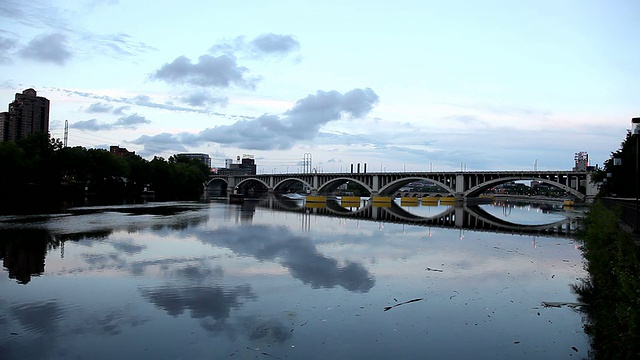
199,156
28,114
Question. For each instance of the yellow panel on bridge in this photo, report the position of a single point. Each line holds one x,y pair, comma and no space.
381,199
350,199
317,199
349,203
448,200
409,201
430,200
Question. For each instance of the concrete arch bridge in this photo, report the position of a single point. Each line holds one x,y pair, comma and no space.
461,184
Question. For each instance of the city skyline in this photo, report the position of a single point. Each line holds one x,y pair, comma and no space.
411,86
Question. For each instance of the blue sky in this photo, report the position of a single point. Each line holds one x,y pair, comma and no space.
407,85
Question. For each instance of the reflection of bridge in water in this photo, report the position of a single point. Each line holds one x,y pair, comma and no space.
472,217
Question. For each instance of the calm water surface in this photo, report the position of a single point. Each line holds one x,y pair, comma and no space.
203,281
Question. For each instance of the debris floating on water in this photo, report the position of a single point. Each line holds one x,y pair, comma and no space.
387,308
561,304
432,269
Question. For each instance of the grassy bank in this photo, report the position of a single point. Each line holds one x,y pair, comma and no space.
612,291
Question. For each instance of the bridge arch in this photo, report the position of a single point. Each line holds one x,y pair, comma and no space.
394,186
215,180
333,184
247,181
476,190
281,183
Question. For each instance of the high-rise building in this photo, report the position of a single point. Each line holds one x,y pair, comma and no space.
4,125
28,114
206,159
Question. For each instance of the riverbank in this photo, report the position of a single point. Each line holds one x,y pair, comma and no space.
612,290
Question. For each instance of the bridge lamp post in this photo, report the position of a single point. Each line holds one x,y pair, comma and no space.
635,131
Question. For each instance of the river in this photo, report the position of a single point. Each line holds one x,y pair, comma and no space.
281,280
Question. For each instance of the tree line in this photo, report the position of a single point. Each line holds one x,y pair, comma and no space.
611,292
618,175
40,166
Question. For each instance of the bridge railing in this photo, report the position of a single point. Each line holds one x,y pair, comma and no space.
629,211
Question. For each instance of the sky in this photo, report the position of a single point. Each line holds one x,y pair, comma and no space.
400,86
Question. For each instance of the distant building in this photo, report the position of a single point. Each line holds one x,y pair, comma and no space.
246,166
28,114
122,152
581,160
198,156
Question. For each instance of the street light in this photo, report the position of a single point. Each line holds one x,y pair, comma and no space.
635,132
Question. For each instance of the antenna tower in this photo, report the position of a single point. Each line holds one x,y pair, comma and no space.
66,132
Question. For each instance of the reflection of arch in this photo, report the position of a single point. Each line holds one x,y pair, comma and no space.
480,213
467,217
288,204
394,186
333,184
480,188
337,208
403,214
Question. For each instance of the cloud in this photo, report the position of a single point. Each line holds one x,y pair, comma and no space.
99,107
131,121
48,48
210,71
263,45
120,110
268,132
6,45
39,15
275,44
118,45
160,143
139,100
89,125
59,20
126,122
203,98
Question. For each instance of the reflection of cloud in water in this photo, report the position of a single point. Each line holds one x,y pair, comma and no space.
104,261
111,323
298,254
38,317
215,302
257,329
39,324
269,330
127,247
37,327
199,274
